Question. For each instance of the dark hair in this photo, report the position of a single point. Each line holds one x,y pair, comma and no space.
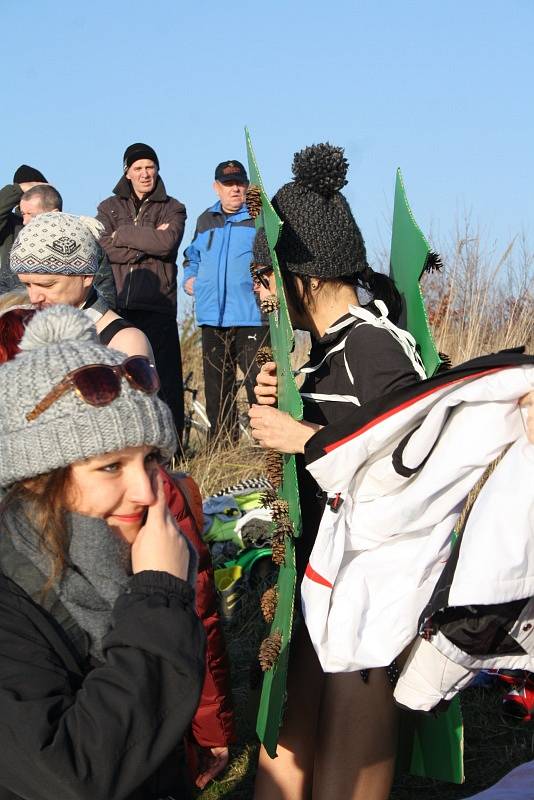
50,198
378,285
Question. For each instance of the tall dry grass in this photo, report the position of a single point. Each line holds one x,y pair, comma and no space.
219,463
482,301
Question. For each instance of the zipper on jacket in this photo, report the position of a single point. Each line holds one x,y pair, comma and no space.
140,209
130,274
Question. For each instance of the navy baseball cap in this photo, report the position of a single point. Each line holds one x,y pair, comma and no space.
228,171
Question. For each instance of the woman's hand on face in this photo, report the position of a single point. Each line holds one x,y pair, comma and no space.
159,544
278,430
528,401
212,761
266,389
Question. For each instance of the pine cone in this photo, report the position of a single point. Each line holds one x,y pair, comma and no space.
284,527
274,467
264,355
270,304
270,650
267,498
278,546
433,262
280,508
253,200
268,602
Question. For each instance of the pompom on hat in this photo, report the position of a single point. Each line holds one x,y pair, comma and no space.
56,341
320,237
55,243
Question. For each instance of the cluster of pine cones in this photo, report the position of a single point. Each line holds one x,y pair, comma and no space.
253,200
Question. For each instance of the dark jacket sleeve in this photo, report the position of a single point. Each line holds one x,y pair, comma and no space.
9,198
213,723
116,255
103,740
105,282
151,241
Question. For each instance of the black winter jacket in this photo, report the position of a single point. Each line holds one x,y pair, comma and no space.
109,733
10,225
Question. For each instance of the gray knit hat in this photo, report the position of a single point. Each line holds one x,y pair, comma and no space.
57,341
58,244
320,236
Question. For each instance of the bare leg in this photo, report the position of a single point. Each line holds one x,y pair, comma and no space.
356,738
290,775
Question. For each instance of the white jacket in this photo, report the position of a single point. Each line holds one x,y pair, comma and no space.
491,570
403,467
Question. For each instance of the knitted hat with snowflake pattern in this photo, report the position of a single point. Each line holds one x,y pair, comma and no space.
58,244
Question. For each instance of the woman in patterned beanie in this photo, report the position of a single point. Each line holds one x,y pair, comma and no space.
101,651
338,739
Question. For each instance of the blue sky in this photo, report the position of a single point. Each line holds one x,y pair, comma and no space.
442,89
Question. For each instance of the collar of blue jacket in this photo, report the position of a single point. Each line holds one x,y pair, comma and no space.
237,216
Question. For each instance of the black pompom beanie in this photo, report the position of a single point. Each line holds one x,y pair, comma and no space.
320,237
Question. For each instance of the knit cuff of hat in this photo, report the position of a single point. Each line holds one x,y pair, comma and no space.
45,445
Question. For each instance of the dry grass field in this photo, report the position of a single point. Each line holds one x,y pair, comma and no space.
480,303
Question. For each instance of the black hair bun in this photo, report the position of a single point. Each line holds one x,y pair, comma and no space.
321,168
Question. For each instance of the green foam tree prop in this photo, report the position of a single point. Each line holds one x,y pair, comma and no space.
410,257
272,700
428,746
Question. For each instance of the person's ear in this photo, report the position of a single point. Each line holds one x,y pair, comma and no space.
88,280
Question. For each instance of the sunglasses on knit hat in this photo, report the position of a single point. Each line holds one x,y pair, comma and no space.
100,384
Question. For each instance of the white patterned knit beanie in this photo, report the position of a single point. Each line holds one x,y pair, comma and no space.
57,244
57,341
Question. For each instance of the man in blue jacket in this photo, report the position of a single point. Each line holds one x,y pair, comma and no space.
217,275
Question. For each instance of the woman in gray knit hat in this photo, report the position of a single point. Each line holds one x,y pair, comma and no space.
101,651
338,739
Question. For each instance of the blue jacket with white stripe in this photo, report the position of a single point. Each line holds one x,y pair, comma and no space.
219,259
